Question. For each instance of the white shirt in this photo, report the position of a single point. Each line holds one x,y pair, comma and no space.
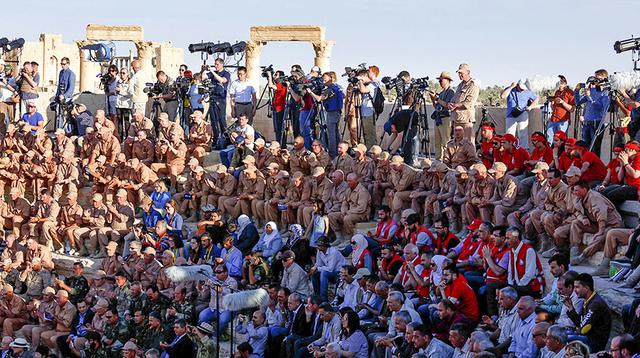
367,103
350,294
242,91
521,345
508,322
564,319
331,261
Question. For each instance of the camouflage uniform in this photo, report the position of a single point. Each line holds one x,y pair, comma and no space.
79,288
123,299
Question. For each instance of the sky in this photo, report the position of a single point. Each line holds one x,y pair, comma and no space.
501,40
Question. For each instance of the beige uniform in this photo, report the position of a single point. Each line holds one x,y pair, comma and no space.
299,161
43,253
65,314
559,213
336,197
381,183
459,152
466,94
225,188
67,175
355,209
143,150
403,183
200,136
253,189
119,224
46,231
507,198
93,220
277,194
602,216
446,190
364,168
148,274
15,214
344,163
479,198
426,184
110,148
320,191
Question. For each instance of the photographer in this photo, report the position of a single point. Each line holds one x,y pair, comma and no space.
28,87
520,100
305,100
196,99
66,82
597,105
441,114
220,78
562,105
332,99
275,82
124,103
243,96
140,98
168,93
367,85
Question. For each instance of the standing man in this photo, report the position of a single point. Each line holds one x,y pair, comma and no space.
66,82
441,113
520,100
139,97
463,104
220,78
168,94
563,102
597,105
368,85
243,96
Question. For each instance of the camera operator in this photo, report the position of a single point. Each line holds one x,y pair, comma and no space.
441,114
294,106
275,82
66,82
403,129
520,100
243,96
463,104
561,107
597,105
332,99
196,99
220,78
35,74
124,103
168,94
28,87
306,105
82,117
110,89
410,93
367,85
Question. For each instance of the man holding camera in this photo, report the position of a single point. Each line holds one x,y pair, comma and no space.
168,94
367,85
275,82
332,99
597,104
301,96
243,96
520,100
463,104
441,114
562,105
28,87
220,78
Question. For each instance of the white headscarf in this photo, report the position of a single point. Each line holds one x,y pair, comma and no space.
243,222
436,273
268,238
358,248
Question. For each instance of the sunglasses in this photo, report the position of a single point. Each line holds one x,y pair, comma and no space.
107,317
63,63
219,271
353,242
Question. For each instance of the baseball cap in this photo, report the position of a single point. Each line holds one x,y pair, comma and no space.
573,171
477,167
540,166
362,273
375,150
249,159
360,148
317,171
298,175
560,135
426,163
273,165
62,293
121,192
464,66
475,224
221,169
498,166
259,141
397,160
509,138
461,170
283,174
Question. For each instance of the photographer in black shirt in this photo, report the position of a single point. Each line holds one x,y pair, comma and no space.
168,94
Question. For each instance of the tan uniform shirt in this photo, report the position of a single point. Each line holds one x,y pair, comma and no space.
150,272
324,159
467,95
143,150
226,186
201,134
448,185
599,210
556,198
459,153
344,163
299,162
403,180
482,190
356,201
65,314
364,169
336,198
109,148
506,191
70,215
172,130
95,217
43,253
145,125
124,219
49,212
536,197
67,173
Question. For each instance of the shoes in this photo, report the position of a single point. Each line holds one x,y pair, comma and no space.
549,253
578,260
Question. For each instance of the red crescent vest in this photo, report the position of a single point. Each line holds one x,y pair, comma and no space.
360,263
404,272
382,231
413,236
497,254
519,266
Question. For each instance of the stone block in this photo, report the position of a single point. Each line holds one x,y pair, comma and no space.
114,33
287,33
64,264
211,159
363,227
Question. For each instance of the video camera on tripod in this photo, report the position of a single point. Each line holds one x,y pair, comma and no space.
315,85
602,83
183,83
396,83
420,84
152,89
266,70
352,72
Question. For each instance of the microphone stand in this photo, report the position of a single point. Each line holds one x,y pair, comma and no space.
219,286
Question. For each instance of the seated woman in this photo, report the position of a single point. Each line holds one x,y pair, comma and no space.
247,235
353,342
361,257
173,218
319,224
194,250
270,242
160,195
176,245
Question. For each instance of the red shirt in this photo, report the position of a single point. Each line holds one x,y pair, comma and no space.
519,157
487,149
545,154
564,161
613,166
279,97
597,170
307,102
635,164
504,157
462,295
559,113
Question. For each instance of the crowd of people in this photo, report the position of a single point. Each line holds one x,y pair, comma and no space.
452,266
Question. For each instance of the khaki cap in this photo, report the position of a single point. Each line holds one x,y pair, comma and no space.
121,192
426,163
259,141
385,156
62,293
112,244
199,169
317,171
360,148
250,169
478,167
498,167
135,245
298,175
540,166
445,74
97,197
249,159
221,169
397,160
194,161
130,346
464,66
274,144
48,290
60,131
375,149
573,171
101,158
461,170
283,174
273,165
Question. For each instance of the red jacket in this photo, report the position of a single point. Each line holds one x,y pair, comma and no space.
462,295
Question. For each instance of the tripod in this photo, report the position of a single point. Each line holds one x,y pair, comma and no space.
287,120
485,119
423,124
182,113
156,109
613,117
355,98
576,121
319,123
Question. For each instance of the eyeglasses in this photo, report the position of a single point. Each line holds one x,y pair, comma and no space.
63,63
539,334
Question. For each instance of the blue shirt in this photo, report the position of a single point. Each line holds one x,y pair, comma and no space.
221,90
356,343
150,219
32,120
597,104
523,98
176,223
195,97
66,79
233,261
160,199
336,98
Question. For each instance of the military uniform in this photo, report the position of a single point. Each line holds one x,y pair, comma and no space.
79,288
403,183
299,161
336,197
148,274
532,210
224,189
459,152
446,190
123,299
344,163
200,135
67,174
48,228
153,337
94,219
143,150
119,333
479,198
355,209
507,198
321,191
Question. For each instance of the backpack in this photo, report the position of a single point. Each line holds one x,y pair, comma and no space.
378,101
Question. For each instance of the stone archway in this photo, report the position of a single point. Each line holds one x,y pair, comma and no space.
260,35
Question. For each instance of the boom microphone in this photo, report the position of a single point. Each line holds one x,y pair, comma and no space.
624,81
542,83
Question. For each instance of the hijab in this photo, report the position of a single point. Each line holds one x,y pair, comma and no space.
436,273
269,238
358,248
296,234
243,222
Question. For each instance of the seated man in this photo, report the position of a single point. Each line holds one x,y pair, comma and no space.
170,159
525,270
459,151
596,215
456,289
480,194
512,155
386,228
16,212
528,216
507,196
355,207
403,180
142,149
200,135
521,343
329,261
44,223
93,219
592,169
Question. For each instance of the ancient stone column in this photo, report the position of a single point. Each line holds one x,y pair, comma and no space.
252,61
85,76
323,54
